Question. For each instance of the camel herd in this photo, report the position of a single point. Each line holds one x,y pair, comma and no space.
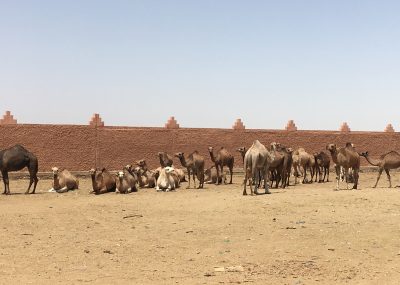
263,167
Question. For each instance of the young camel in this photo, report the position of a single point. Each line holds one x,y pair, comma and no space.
194,164
223,158
63,181
102,181
390,160
347,158
322,162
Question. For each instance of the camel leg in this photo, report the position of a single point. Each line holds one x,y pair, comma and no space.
218,172
388,176
188,171
231,172
245,182
337,168
266,178
356,176
305,174
32,180
6,182
379,176
194,179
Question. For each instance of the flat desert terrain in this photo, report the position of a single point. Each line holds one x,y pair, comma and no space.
307,234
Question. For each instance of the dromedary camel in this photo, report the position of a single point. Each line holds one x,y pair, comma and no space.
223,158
242,151
63,181
322,163
302,160
347,158
194,164
387,161
257,160
166,181
286,164
102,181
16,158
210,176
165,159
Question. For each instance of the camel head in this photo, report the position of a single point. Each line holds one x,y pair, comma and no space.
289,150
331,147
141,163
275,146
55,171
169,169
241,149
128,167
92,171
364,154
179,155
210,149
349,144
120,174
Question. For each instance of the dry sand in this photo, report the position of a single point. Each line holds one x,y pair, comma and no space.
308,234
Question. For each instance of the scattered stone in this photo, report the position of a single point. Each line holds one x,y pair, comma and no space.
237,268
86,251
133,216
209,274
107,251
331,249
290,228
219,269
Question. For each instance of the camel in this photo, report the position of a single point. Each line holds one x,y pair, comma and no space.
322,162
181,174
257,160
63,181
285,166
123,184
302,160
347,158
194,164
102,181
16,158
165,159
387,161
242,151
211,176
223,158
166,181
146,177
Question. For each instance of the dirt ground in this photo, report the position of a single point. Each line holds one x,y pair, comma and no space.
307,234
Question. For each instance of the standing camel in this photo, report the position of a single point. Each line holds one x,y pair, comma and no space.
390,160
257,160
322,163
194,164
16,158
223,158
347,158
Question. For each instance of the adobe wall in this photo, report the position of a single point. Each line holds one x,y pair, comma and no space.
74,147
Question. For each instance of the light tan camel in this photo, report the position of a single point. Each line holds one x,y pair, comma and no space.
347,158
194,164
63,181
223,158
210,176
166,181
257,160
302,161
146,177
102,181
387,161
242,151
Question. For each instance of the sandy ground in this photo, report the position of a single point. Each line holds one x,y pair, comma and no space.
308,234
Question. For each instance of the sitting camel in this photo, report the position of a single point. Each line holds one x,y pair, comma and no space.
223,158
166,180
16,158
210,176
102,181
147,178
194,164
257,161
387,161
347,158
63,181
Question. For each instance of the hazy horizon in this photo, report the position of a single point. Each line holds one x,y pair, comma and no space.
136,63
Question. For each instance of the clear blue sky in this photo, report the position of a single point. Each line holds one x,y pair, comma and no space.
206,62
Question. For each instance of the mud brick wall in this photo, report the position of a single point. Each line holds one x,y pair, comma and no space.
80,148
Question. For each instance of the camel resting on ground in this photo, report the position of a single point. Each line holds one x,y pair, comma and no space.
166,180
345,157
165,159
211,176
257,160
63,181
16,158
387,161
102,181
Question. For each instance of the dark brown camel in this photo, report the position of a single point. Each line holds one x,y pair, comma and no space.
390,160
194,164
223,158
102,181
16,158
322,163
165,159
